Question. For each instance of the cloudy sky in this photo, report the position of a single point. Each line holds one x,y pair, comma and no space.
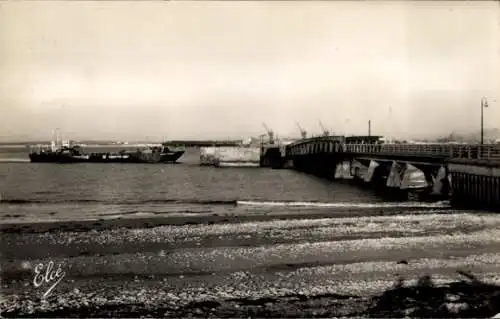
137,70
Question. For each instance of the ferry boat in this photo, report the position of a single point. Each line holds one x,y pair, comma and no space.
74,154
65,152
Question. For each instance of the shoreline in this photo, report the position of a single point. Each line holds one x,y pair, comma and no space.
131,222
315,265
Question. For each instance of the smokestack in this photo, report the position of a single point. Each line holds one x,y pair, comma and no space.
369,128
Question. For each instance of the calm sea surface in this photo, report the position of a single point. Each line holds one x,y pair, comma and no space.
45,191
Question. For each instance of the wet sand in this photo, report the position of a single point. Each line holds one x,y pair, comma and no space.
268,265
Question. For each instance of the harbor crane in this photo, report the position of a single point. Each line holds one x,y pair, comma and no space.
325,131
270,133
303,133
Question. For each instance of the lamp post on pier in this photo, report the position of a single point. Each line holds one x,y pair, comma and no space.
484,103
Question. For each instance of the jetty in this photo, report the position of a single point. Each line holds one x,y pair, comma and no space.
467,174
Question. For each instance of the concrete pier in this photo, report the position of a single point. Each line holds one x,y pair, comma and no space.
470,174
233,156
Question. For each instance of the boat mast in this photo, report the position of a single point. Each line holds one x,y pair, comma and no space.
59,138
53,142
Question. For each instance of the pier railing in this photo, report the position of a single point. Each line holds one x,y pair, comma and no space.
484,152
488,152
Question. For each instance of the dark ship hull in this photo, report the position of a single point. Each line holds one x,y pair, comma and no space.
70,155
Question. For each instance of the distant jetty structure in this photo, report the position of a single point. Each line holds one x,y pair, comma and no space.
245,154
467,174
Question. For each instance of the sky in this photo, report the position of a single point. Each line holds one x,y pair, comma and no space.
152,70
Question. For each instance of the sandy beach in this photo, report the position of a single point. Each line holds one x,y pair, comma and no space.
252,265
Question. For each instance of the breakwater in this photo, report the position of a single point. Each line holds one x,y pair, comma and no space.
468,174
230,156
